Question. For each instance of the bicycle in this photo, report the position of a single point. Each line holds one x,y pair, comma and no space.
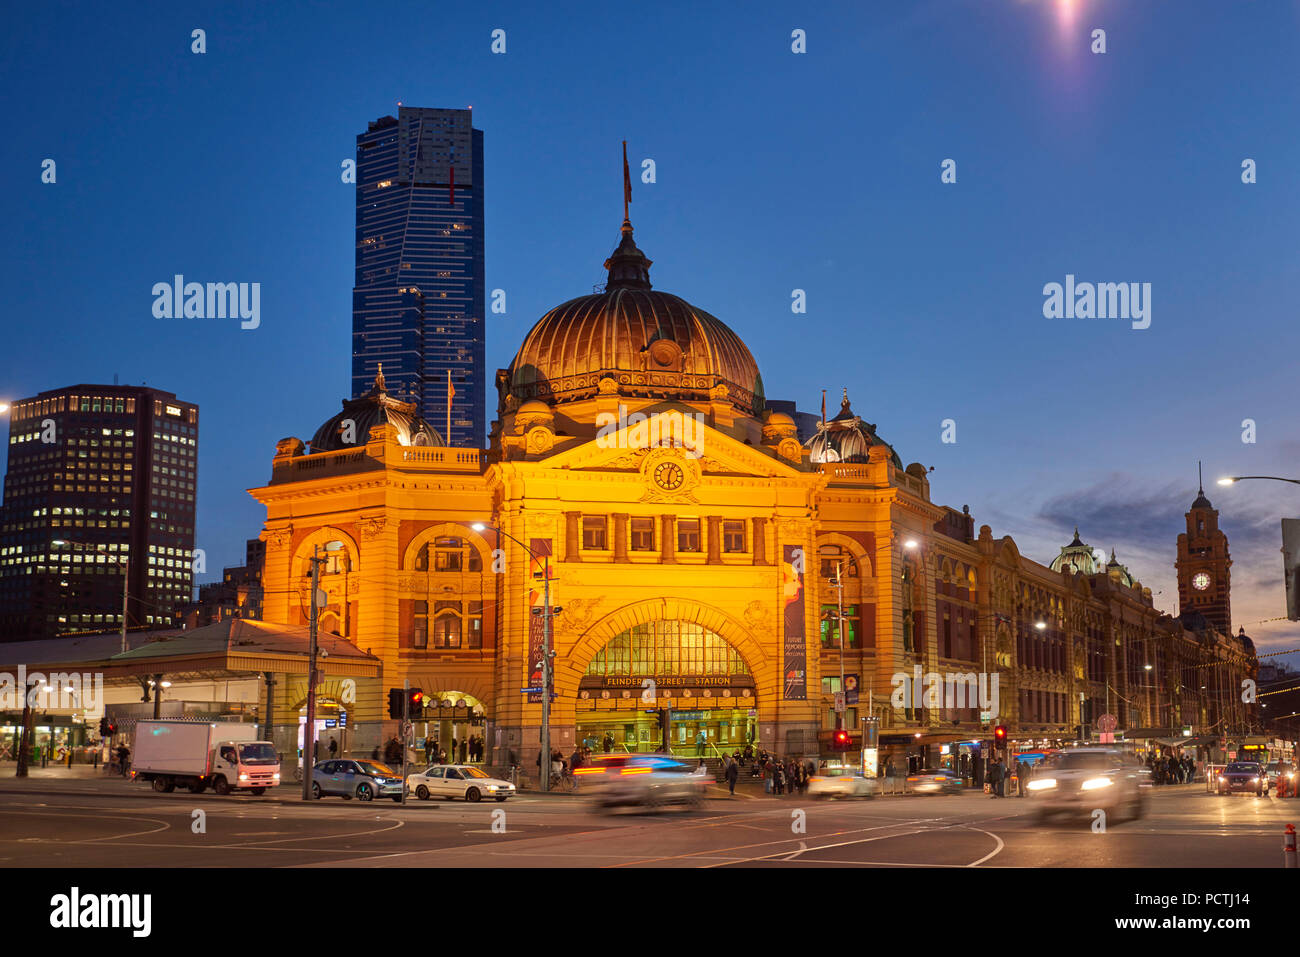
563,781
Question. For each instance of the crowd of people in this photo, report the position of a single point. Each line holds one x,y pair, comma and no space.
1170,768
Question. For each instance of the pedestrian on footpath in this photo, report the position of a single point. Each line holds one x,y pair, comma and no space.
732,773
995,777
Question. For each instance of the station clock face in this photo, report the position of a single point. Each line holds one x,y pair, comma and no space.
1201,581
669,476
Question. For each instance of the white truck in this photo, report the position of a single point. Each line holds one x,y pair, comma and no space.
225,756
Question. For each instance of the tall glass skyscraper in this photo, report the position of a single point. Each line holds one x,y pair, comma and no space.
418,301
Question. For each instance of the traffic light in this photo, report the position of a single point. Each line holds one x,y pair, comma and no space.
1000,735
417,700
103,727
396,703
841,740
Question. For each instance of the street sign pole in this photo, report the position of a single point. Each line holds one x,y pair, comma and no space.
406,724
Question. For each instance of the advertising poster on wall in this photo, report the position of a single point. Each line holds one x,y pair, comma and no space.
795,671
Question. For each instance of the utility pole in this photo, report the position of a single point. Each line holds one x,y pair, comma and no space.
309,731
406,723
546,674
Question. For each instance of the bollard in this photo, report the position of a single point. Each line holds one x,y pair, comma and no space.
1288,846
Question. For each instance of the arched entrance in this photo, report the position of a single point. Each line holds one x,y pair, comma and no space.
451,721
667,682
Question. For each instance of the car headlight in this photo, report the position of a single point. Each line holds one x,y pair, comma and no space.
1092,784
491,787
1254,780
276,775
1041,784
243,777
1222,779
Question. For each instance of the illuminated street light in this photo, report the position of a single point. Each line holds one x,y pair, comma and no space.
1230,479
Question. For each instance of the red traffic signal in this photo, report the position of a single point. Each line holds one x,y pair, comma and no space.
841,740
1000,734
417,698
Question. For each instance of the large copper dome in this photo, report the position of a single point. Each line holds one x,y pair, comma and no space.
650,343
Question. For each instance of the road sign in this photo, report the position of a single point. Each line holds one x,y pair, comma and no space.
1107,723
839,701
530,690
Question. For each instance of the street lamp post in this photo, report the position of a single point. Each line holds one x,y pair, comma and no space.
309,730
544,761
1232,479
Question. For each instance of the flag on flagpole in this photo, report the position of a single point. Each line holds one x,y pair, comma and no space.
627,182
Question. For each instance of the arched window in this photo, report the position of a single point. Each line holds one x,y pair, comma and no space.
449,554
668,648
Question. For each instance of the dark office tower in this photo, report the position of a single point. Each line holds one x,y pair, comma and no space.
101,480
418,301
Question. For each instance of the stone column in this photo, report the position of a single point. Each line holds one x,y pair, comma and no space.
759,542
620,537
715,540
668,544
572,536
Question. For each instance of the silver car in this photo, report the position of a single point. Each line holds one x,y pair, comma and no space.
363,780
935,781
1083,780
649,781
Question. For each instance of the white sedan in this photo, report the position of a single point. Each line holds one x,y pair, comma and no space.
841,784
457,781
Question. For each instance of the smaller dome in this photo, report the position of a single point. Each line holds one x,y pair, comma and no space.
1119,572
778,426
1076,555
846,438
374,408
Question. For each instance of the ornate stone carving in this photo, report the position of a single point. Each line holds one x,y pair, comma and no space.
607,386
755,616
790,450
577,614
371,527
278,537
540,439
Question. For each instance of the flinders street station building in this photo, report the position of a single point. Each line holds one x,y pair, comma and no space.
701,554
716,568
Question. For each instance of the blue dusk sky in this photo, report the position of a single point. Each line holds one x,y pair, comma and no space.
775,170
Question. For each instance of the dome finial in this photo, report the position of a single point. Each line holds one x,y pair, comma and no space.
628,266
844,403
379,379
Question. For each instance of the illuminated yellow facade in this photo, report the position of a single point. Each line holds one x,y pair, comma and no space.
694,542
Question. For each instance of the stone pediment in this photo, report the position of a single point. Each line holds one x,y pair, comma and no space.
704,448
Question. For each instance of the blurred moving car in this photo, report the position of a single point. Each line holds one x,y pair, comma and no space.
934,781
839,783
457,781
364,780
644,780
1082,780
1242,776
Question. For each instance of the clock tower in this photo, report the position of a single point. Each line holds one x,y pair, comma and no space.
1203,565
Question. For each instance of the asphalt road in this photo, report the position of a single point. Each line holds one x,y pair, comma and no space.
48,825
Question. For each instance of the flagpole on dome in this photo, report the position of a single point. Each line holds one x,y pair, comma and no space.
627,190
451,394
